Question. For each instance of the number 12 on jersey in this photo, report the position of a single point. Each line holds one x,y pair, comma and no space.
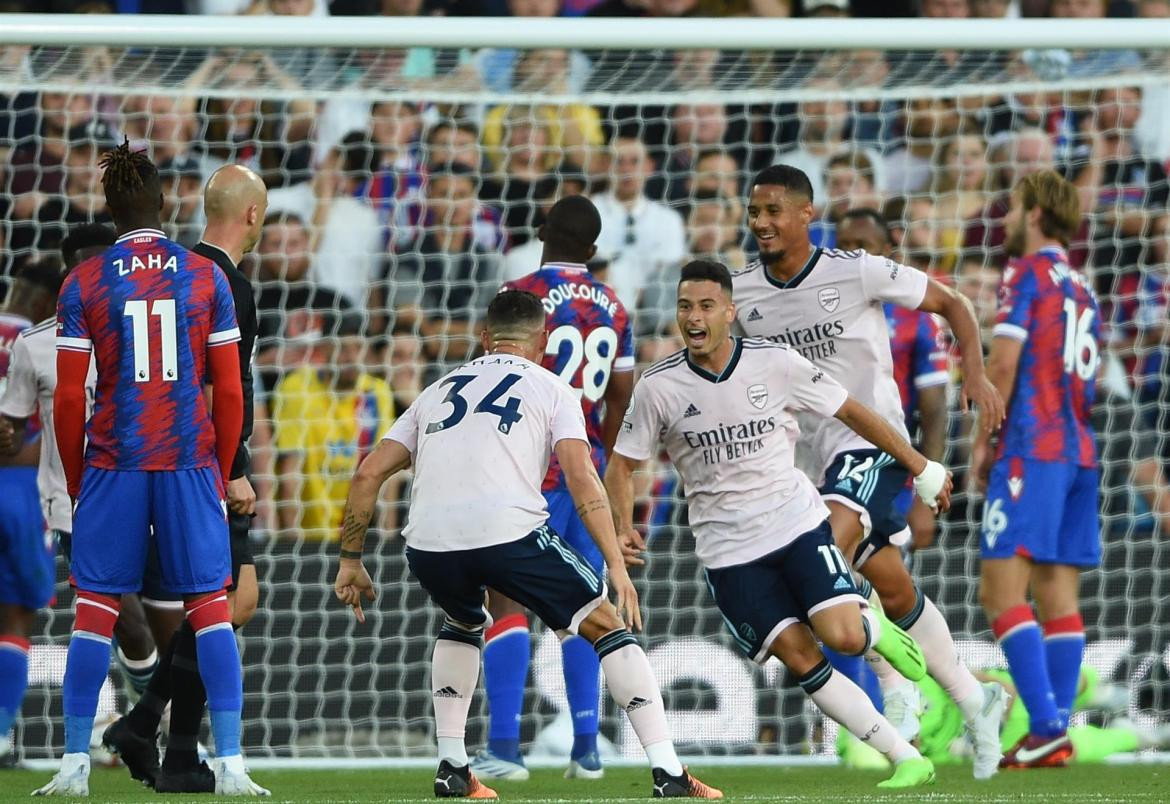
136,309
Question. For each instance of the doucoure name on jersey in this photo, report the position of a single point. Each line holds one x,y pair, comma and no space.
568,291
812,342
730,441
154,262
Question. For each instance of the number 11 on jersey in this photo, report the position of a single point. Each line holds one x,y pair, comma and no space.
164,309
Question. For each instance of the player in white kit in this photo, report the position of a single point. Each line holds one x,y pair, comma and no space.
480,441
827,305
723,408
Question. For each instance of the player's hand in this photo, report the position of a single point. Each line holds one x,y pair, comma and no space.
241,497
980,391
982,456
933,486
632,545
627,598
353,583
7,436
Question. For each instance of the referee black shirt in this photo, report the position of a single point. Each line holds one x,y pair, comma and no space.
242,294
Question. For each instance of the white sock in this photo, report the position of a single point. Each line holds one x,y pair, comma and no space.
942,660
454,673
844,702
633,686
888,678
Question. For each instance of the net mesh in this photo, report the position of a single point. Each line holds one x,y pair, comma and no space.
405,185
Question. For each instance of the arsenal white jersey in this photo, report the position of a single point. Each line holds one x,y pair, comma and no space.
831,312
480,439
731,438
32,378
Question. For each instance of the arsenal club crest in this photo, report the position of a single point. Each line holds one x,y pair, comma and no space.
758,395
829,298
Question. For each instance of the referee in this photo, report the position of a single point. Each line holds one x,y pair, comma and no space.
235,201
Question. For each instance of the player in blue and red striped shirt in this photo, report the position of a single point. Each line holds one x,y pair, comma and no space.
157,319
590,347
1040,520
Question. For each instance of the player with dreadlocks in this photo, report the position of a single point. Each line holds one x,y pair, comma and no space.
159,319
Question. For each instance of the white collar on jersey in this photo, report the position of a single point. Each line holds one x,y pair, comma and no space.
141,233
575,267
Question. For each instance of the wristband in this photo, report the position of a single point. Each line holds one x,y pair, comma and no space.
350,554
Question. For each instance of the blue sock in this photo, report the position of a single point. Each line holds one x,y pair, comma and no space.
855,669
583,689
219,667
1064,646
86,666
505,670
13,679
1019,636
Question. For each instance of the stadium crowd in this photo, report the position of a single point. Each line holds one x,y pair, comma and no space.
390,225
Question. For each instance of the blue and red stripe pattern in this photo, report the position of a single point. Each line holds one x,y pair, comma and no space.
149,310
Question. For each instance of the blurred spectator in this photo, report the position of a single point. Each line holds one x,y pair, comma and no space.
345,235
712,230
36,163
525,258
1089,63
311,66
290,309
960,192
326,418
500,67
271,137
694,129
992,9
439,288
826,8
911,222
927,123
849,185
182,213
945,9
165,126
394,128
454,140
574,128
405,368
524,158
640,236
980,284
822,129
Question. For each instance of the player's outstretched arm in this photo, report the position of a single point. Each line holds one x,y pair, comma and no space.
932,481
619,483
227,403
1002,366
593,507
960,315
353,582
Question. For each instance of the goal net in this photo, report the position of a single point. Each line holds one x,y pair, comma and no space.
408,180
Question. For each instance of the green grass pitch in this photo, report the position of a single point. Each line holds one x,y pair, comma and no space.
1128,783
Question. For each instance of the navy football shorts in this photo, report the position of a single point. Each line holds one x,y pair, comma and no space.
870,482
761,598
540,572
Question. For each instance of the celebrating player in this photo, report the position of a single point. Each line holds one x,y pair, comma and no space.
234,201
157,317
591,347
27,574
827,305
723,408
1040,521
485,523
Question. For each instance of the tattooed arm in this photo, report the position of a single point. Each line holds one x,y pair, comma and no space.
353,582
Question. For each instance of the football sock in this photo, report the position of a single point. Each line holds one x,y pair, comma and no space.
187,702
855,669
144,718
454,673
583,689
1064,647
505,669
219,666
13,679
137,671
1019,636
926,624
1091,744
844,702
86,665
634,688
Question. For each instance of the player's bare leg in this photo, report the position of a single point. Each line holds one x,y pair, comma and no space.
840,698
16,623
905,606
506,654
632,684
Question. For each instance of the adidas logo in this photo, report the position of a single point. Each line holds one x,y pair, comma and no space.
754,315
447,692
846,486
691,411
841,583
637,703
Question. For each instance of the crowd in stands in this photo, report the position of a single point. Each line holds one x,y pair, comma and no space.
391,224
